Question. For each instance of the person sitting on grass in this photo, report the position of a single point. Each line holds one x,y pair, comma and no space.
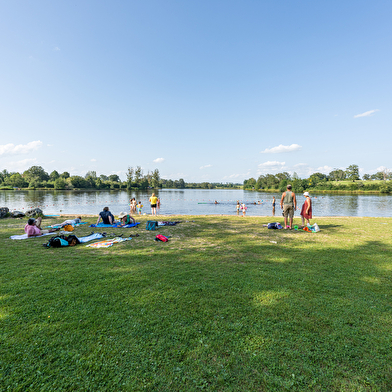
33,228
106,216
125,219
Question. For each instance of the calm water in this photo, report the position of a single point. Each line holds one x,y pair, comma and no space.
189,201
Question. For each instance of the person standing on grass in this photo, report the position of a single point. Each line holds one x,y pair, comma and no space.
106,216
306,211
153,202
33,228
288,203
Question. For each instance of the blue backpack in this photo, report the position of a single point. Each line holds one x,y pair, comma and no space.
151,225
275,225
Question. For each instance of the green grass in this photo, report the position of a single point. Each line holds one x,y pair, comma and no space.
220,308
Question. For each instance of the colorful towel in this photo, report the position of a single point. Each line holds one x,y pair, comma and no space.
108,243
116,225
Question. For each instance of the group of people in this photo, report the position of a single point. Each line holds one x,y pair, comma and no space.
288,203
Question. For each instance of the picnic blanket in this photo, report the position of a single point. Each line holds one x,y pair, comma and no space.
116,225
24,236
108,243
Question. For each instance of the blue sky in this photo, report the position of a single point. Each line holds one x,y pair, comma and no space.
201,90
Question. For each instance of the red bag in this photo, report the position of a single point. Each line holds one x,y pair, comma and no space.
162,238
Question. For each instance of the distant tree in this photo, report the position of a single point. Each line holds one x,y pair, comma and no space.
377,176
91,173
250,183
64,175
114,178
78,182
130,173
102,177
155,179
337,175
138,175
16,180
366,177
283,176
60,183
35,173
352,173
181,183
54,175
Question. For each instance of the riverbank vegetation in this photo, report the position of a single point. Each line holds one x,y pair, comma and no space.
225,305
336,181
37,178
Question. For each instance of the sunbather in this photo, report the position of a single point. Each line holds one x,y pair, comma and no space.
125,219
33,228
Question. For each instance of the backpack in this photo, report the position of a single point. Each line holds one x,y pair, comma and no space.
151,225
56,242
60,240
162,238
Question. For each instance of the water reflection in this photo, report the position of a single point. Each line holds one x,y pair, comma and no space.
192,201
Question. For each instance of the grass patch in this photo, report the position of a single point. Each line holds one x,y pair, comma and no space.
220,307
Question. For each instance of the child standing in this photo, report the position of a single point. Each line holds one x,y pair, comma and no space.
243,208
139,208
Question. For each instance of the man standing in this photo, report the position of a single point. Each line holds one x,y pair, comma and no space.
289,204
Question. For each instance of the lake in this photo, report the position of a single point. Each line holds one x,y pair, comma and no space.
192,202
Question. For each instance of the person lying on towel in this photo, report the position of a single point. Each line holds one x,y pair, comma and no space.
33,228
125,219
106,216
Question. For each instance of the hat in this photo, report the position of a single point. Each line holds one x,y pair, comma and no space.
306,193
121,215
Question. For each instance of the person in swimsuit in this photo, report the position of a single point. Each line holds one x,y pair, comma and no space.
106,216
153,201
238,207
139,208
273,205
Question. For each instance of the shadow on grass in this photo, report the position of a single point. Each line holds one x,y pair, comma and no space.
242,314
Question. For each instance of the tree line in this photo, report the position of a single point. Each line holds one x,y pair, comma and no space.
36,177
337,179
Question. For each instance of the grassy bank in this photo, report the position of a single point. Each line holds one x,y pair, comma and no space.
226,305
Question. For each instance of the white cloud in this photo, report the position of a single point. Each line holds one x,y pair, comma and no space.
22,165
271,164
300,164
93,160
11,149
205,166
366,114
282,148
324,169
56,49
159,160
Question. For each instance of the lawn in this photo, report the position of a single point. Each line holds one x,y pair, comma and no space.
225,305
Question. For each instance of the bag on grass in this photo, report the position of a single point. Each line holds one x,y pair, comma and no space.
151,225
162,238
274,225
68,228
56,242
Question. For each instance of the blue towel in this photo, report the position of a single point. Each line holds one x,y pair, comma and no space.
116,225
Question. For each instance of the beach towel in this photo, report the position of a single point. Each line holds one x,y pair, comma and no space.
168,223
108,243
93,236
24,236
116,225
